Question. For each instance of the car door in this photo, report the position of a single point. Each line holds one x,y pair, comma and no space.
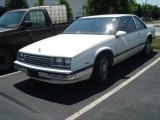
127,44
141,27
40,28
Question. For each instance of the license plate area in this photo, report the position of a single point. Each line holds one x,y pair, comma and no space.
33,73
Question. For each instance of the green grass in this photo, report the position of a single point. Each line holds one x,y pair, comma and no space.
156,43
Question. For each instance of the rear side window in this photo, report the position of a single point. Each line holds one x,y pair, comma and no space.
37,18
140,25
126,24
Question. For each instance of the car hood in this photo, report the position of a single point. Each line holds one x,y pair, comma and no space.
65,45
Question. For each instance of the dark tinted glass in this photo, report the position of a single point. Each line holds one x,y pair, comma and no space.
139,23
11,19
126,24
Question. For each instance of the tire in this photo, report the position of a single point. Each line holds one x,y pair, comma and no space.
6,59
147,48
100,70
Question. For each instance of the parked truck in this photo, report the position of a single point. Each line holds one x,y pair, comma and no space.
21,27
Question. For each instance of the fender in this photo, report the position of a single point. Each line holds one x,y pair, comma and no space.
109,53
100,50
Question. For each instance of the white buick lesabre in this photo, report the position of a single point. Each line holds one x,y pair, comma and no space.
86,49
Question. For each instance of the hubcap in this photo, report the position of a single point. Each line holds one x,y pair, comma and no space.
104,69
148,47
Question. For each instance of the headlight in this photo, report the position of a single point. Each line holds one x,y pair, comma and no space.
61,62
20,56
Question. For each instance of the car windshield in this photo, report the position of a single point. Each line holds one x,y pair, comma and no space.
11,19
91,26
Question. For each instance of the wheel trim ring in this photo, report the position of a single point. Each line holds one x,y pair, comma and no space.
103,69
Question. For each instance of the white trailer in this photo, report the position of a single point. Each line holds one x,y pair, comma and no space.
58,14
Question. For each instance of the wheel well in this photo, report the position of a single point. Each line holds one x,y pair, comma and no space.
150,37
11,49
109,54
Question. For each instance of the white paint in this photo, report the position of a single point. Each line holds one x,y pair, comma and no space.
67,45
10,74
107,95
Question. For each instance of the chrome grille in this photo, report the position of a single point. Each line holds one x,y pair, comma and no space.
37,60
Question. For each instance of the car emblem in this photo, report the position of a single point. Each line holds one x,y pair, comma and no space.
39,50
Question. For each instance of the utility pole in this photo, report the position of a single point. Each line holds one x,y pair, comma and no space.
146,2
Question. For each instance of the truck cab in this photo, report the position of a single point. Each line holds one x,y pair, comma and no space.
22,27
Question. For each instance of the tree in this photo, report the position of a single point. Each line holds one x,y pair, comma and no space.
139,11
156,13
2,10
69,10
16,4
39,3
148,11
94,7
132,6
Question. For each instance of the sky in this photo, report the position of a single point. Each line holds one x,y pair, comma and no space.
152,2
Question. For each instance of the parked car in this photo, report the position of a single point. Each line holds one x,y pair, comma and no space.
22,27
86,49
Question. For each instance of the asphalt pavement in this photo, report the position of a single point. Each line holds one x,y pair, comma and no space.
11,111
139,100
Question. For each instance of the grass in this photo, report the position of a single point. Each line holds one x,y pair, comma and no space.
156,43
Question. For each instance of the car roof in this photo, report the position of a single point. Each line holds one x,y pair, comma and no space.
18,10
107,15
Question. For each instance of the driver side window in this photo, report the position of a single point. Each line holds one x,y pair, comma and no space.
37,18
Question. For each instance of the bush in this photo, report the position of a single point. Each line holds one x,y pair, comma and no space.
69,10
16,4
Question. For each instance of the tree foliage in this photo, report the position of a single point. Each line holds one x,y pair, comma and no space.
16,4
39,3
156,12
95,7
2,10
148,11
69,10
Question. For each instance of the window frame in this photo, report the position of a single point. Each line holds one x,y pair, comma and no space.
133,24
140,21
34,10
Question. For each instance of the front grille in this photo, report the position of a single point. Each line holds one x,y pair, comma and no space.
37,60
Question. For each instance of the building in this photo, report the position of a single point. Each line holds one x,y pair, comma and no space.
76,5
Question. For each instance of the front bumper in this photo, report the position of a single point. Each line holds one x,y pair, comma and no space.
55,76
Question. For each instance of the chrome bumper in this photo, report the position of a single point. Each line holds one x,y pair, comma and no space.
55,76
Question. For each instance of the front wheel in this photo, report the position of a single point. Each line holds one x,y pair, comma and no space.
6,59
100,70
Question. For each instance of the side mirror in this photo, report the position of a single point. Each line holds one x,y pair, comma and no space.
121,33
27,24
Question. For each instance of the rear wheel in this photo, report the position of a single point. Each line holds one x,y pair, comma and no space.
6,59
147,48
100,70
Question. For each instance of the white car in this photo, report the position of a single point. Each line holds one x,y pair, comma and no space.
86,49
